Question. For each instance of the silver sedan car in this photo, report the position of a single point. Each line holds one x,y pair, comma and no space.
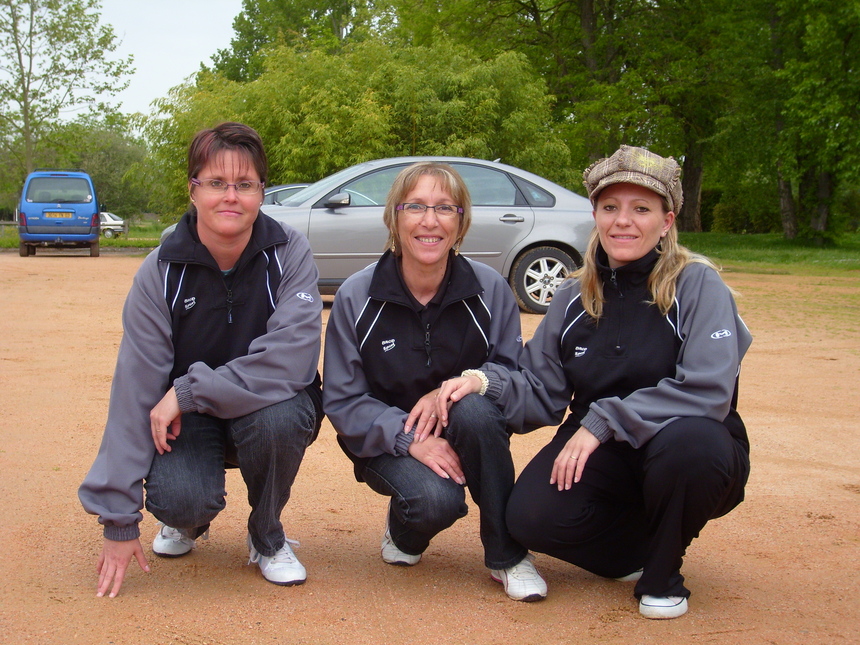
527,228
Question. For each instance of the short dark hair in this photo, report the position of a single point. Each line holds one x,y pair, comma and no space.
207,144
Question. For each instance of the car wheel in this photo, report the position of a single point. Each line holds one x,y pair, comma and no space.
536,275
23,250
109,233
94,250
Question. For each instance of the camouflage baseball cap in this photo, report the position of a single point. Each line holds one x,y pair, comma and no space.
630,165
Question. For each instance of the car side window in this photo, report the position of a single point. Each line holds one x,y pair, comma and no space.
489,187
371,189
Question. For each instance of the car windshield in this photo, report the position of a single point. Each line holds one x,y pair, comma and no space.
319,188
59,190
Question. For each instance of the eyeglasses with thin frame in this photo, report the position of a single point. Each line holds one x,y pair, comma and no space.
441,210
218,186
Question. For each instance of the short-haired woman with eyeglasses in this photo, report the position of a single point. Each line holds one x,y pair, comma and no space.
218,365
397,329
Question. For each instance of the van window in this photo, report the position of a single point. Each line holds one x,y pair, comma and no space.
59,190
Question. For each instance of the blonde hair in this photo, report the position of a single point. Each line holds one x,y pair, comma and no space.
662,283
449,180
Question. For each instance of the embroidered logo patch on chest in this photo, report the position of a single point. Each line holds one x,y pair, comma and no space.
190,302
579,351
388,345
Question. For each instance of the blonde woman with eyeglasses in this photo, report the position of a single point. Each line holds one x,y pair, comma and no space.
217,367
643,346
422,314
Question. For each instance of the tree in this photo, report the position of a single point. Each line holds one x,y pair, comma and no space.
326,24
319,112
53,60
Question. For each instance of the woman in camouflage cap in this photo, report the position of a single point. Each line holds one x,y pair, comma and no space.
643,345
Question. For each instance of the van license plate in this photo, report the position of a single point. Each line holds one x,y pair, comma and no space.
59,214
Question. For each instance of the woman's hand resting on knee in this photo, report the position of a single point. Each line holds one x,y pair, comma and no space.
568,466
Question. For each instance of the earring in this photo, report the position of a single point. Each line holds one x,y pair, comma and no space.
457,248
393,247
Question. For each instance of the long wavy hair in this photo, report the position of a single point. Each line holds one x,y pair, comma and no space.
662,283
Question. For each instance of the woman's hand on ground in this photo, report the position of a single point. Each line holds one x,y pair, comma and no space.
113,563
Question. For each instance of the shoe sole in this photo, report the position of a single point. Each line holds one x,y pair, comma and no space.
290,583
171,555
663,613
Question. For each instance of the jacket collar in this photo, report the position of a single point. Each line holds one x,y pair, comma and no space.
636,272
184,245
387,284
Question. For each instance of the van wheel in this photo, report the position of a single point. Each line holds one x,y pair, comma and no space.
23,250
536,275
109,233
94,250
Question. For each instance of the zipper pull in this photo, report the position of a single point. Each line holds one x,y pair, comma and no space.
614,282
229,307
427,344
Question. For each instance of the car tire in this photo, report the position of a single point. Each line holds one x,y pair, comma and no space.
94,250
109,233
23,249
536,274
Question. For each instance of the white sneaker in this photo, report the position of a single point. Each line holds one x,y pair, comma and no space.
283,568
392,555
522,581
661,607
172,543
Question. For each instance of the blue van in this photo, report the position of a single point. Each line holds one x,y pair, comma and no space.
58,208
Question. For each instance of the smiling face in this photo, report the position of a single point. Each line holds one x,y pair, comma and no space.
426,238
630,221
226,218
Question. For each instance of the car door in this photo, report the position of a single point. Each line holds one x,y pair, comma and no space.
501,217
345,239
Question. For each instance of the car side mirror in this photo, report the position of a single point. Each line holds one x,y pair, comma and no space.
338,200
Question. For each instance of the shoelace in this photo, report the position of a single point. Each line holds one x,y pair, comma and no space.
524,573
283,556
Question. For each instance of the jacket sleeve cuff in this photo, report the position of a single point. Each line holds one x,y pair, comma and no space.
122,533
182,387
402,443
597,426
494,387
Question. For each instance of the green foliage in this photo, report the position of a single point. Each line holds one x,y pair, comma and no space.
55,59
319,112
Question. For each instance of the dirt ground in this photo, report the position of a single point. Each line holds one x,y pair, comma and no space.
782,568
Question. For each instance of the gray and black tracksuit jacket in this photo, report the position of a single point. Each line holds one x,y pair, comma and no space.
636,370
382,355
230,345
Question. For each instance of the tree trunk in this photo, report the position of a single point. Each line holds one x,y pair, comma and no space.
787,207
823,196
690,217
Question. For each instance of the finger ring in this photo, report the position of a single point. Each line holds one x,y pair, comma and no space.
574,458
432,416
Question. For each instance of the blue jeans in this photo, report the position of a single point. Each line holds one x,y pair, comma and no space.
423,503
185,487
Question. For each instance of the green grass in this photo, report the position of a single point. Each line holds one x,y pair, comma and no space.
760,253
139,236
770,253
